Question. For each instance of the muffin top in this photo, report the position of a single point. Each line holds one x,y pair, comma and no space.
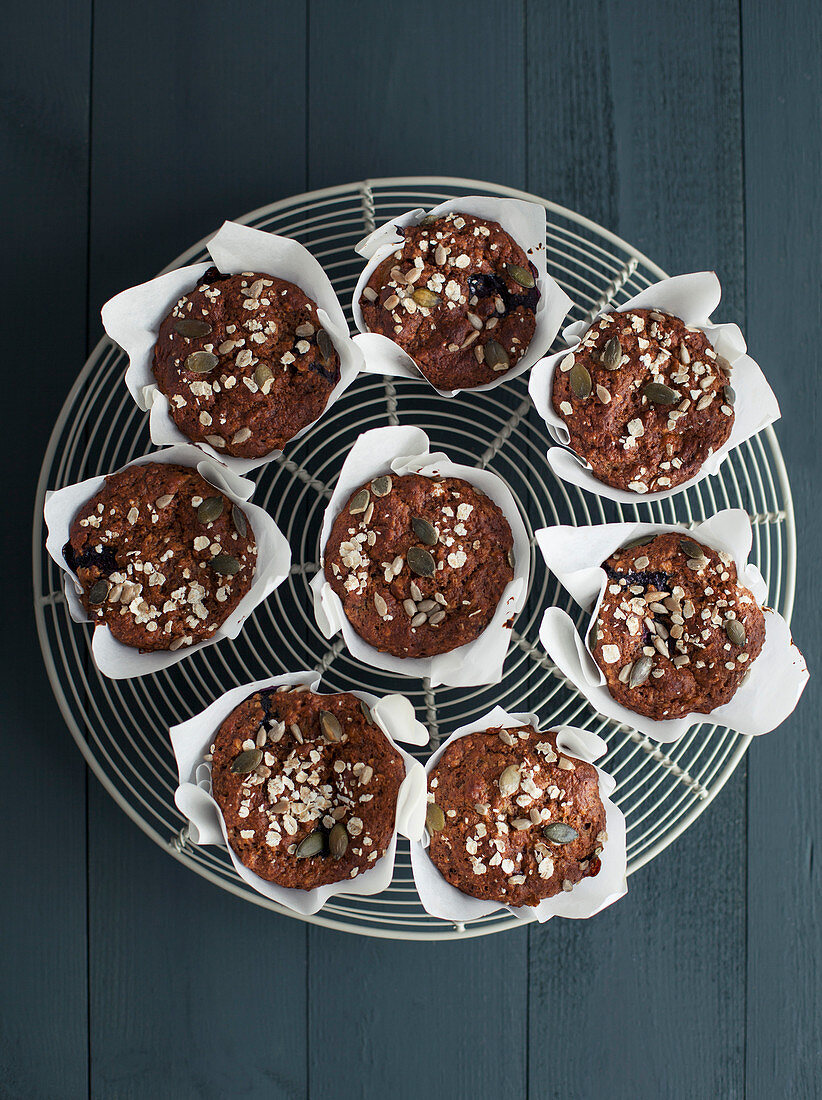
419,563
675,632
459,296
646,400
511,819
244,362
163,557
307,785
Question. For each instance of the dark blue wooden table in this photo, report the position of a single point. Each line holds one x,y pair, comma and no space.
693,130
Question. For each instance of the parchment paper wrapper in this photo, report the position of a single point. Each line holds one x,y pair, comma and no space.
191,740
441,899
525,222
776,679
132,319
401,450
120,661
692,298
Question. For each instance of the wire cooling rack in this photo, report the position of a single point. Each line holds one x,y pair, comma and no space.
120,726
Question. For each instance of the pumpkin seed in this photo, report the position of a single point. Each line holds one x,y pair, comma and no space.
658,394
424,531
511,559
201,362
99,591
313,845
736,632
434,818
496,356
263,374
338,841
640,672
643,540
325,346
429,219
559,833
239,521
425,298
580,381
509,780
366,713
246,762
612,354
330,725
520,275
381,486
691,549
225,565
210,509
359,502
192,326
730,395
420,562
723,364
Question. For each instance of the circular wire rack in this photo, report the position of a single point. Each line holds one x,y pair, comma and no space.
121,726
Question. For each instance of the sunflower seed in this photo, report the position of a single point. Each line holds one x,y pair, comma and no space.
730,394
580,381
559,833
496,356
736,632
612,354
239,521
436,618
338,841
684,355
313,845
381,486
246,762
658,394
520,823
723,364
410,608
474,321
425,298
380,605
429,219
164,500
99,591
640,672
330,725
691,549
509,780
369,513
520,275
225,565
192,326
391,302
201,362
511,558
366,713
210,509
415,592
424,531
263,374
420,562
359,502
419,619
434,818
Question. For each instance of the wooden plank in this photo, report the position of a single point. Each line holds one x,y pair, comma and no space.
649,996
44,150
191,124
783,162
416,91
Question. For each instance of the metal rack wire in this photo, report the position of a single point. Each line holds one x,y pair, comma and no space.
120,726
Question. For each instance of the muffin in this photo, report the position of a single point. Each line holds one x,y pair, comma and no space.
675,633
419,563
163,557
307,785
244,363
513,820
645,399
459,296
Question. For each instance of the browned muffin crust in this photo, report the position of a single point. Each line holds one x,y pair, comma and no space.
315,774
520,822
459,295
244,362
675,633
419,563
163,557
646,400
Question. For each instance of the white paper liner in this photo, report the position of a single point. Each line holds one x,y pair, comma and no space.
691,298
525,222
590,896
777,677
120,661
132,319
191,740
402,450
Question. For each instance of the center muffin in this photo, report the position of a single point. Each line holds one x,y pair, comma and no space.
307,785
244,362
459,295
419,563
